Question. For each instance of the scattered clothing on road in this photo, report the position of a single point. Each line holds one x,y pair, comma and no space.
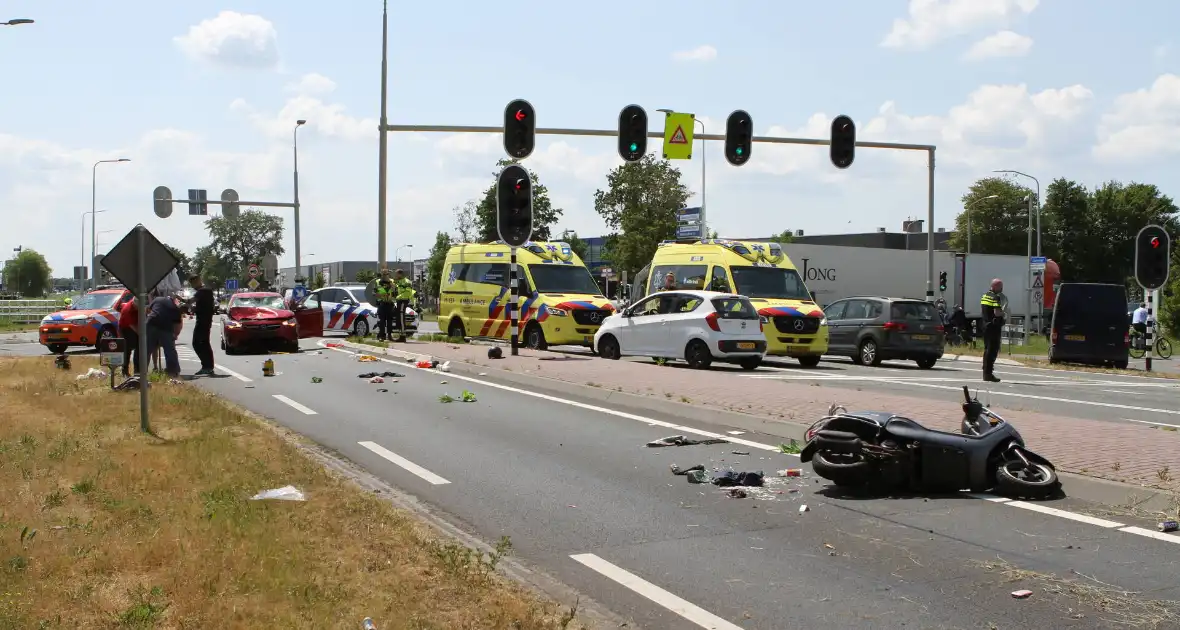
680,440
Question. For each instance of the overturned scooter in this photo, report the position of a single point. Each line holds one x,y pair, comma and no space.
870,448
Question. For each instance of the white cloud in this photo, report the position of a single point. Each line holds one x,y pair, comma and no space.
1001,44
1143,124
700,53
232,39
312,84
933,20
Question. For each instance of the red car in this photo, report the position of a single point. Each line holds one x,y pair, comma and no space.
258,320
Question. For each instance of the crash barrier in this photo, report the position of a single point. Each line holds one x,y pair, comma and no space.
28,311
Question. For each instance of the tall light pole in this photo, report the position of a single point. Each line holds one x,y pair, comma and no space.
82,283
704,165
1038,183
383,151
93,204
968,210
16,22
295,146
397,252
1028,276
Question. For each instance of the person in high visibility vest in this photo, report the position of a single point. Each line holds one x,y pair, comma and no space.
384,291
993,304
405,293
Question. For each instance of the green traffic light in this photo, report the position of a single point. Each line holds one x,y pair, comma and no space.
739,151
634,146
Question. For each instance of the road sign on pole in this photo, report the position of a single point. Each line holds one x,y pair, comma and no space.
162,201
253,284
1037,263
231,284
229,200
686,230
253,271
678,130
196,201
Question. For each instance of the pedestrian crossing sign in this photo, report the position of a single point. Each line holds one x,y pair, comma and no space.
678,128
678,136
1038,283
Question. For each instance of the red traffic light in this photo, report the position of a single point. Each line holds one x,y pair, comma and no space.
1155,242
520,115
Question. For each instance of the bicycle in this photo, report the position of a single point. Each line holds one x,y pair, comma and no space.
1161,347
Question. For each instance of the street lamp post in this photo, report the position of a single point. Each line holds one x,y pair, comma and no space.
1028,275
82,282
16,22
93,204
383,150
295,146
968,209
704,166
397,252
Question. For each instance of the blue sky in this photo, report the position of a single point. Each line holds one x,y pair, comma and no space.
205,95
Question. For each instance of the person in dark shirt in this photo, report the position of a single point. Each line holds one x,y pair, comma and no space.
202,309
129,331
163,327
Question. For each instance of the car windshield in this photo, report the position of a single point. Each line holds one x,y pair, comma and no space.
563,279
923,311
95,301
265,301
769,283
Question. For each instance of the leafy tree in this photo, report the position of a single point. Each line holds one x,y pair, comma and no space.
27,274
782,238
365,276
1168,311
639,206
576,244
214,269
185,266
317,280
999,225
544,214
1067,217
435,263
245,239
467,220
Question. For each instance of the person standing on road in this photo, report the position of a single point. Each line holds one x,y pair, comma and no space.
384,291
405,293
129,331
164,322
202,309
992,303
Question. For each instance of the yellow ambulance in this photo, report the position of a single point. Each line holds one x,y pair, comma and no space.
794,324
560,303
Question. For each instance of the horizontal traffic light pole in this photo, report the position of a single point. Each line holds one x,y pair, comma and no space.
211,202
610,133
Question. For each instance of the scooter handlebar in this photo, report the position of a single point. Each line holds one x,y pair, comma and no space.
966,393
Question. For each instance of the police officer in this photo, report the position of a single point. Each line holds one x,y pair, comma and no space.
993,304
384,291
404,294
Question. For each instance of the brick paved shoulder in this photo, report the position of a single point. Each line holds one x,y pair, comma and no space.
1133,454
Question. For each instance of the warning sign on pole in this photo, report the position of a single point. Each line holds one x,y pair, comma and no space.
678,130
1038,283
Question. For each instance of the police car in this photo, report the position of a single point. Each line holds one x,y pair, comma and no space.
342,308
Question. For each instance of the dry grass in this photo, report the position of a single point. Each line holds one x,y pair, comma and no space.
1117,606
102,526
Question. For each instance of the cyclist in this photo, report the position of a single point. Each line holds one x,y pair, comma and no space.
1139,322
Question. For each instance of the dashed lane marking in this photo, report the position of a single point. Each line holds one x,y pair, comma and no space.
405,464
307,411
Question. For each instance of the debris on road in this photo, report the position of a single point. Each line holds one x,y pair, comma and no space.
382,390
790,448
316,379
495,353
804,508
680,440
676,470
286,493
268,367
736,493
333,344
736,432
365,358
445,367
740,452
791,472
424,365
62,362
727,478
1169,526
94,373
1022,594
376,379
466,396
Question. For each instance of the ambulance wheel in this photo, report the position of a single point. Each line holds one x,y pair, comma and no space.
57,348
810,360
106,333
455,329
534,337
360,328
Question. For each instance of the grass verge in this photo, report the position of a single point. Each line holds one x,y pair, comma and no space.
103,526
9,325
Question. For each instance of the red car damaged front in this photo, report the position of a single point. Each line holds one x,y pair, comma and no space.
258,320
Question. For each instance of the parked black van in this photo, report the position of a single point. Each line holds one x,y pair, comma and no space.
1090,325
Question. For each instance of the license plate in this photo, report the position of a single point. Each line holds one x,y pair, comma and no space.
1075,337
797,348
920,337
745,345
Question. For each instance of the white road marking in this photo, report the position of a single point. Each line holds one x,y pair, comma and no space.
222,368
766,447
1157,424
684,608
294,405
1081,518
1172,538
408,465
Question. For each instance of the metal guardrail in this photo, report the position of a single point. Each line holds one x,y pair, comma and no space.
28,311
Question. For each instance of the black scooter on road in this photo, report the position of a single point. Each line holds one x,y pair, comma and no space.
882,448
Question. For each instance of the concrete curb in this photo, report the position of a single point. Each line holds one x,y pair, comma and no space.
1076,486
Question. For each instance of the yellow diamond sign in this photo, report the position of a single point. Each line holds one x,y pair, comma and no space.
678,130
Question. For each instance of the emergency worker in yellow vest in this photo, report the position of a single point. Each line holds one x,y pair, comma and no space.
993,306
383,290
404,293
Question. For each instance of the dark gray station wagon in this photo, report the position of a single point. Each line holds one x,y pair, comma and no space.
876,329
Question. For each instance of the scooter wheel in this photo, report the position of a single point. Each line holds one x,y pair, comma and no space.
1018,480
843,472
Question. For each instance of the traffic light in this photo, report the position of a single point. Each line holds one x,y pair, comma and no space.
514,205
739,137
843,148
520,129
632,133
1153,249
942,281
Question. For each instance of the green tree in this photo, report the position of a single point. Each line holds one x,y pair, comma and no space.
214,269
245,239
1119,212
317,280
1067,217
365,276
576,244
467,223
1168,310
435,263
544,214
998,225
782,238
185,266
27,274
639,206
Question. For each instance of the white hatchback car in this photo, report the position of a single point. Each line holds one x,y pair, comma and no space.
697,326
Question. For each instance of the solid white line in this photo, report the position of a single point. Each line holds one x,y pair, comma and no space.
688,610
294,405
1172,538
410,466
1092,403
1081,518
221,368
1157,424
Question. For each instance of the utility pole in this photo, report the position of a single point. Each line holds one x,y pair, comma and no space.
383,151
